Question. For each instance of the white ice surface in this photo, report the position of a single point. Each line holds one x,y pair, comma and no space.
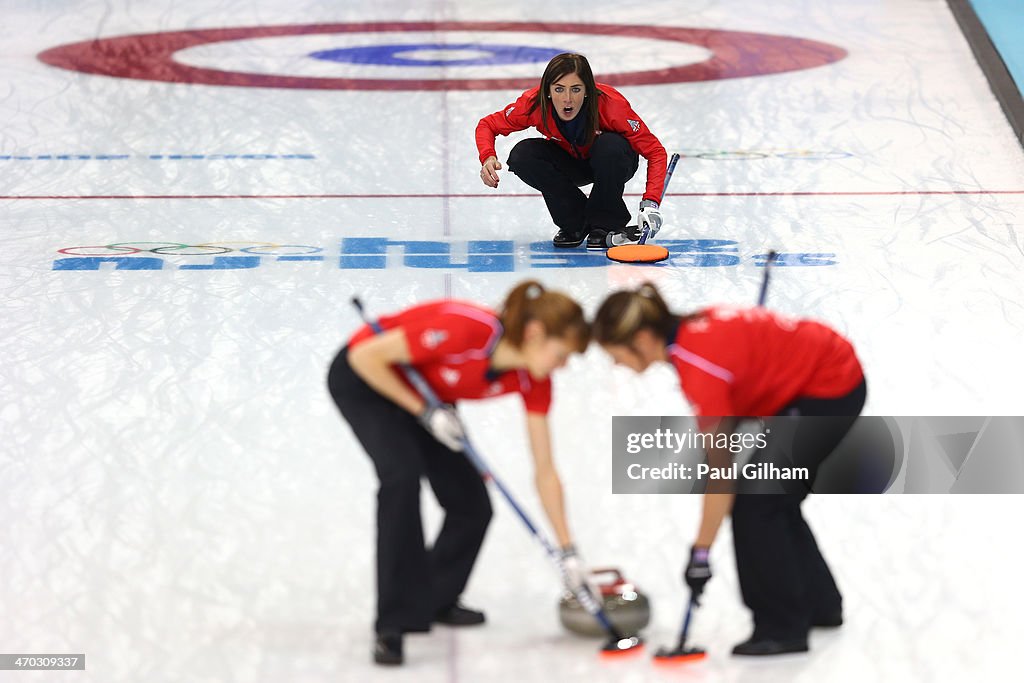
182,502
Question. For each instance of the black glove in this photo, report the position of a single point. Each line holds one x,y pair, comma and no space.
698,571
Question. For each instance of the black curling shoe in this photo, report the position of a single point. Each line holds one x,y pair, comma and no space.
597,239
568,240
832,620
758,646
459,615
387,650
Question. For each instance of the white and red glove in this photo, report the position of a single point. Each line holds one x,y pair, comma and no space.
444,425
575,576
649,218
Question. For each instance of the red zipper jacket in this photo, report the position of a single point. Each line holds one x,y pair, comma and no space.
751,362
450,344
614,116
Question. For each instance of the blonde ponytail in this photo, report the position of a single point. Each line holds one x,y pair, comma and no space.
625,313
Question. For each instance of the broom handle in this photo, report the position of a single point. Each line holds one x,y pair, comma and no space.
668,176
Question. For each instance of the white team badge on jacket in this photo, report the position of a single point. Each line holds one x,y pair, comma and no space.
430,339
450,375
635,125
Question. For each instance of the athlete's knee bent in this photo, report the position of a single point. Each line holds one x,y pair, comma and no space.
527,156
396,483
611,145
611,155
473,506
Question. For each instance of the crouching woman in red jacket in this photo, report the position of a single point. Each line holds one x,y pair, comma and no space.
591,135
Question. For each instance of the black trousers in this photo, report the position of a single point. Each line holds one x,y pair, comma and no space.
783,577
545,166
413,582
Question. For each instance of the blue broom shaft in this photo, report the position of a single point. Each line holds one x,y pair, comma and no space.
668,176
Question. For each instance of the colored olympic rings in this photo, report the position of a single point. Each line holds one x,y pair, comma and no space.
180,249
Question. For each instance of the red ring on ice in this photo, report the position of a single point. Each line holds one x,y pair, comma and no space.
150,56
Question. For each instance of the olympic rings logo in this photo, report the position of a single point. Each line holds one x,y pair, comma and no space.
757,154
181,249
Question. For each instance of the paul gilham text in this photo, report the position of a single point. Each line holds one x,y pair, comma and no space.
764,471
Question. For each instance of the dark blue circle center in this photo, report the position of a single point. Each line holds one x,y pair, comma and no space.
391,55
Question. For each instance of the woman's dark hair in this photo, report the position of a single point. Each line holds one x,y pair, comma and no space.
560,315
560,66
626,312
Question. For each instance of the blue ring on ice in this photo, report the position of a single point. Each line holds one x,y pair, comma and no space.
391,55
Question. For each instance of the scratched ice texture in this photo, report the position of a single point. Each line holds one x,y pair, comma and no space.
181,500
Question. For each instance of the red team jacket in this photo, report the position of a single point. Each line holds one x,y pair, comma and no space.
451,344
750,362
615,115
